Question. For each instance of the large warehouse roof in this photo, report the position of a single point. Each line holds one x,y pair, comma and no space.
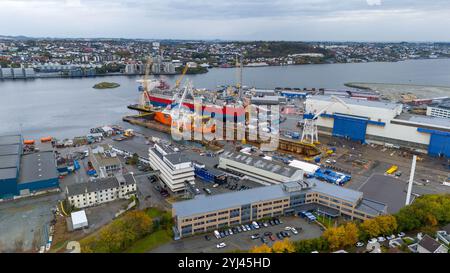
10,149
12,139
9,161
360,102
37,167
8,173
260,163
425,120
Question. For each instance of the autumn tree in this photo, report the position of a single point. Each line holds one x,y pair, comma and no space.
342,236
284,246
261,249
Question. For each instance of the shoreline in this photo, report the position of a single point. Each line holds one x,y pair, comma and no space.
232,67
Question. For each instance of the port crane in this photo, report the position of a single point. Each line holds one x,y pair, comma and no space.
185,69
145,97
309,134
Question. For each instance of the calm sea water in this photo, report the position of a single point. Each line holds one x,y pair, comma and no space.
69,107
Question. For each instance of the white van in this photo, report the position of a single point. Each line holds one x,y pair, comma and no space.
217,234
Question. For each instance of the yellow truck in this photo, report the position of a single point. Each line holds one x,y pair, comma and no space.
392,169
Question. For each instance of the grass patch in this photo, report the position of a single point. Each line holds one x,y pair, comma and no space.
150,242
154,212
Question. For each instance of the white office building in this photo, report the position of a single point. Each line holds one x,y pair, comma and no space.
440,110
88,194
175,169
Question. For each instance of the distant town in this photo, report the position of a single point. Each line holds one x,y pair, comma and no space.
23,57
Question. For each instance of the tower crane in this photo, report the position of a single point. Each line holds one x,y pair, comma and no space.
309,134
185,69
145,97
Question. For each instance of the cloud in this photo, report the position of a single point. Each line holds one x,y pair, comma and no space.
373,2
232,19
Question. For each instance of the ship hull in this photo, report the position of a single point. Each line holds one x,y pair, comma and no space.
223,112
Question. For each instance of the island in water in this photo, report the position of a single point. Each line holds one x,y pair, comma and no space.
106,85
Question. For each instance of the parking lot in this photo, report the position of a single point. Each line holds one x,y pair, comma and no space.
241,241
24,223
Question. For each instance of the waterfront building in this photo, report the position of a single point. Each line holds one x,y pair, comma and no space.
105,161
25,173
103,190
441,110
382,123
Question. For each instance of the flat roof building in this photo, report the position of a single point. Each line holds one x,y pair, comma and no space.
21,173
206,213
381,123
258,169
175,168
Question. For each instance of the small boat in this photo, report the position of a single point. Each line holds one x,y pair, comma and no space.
28,141
46,139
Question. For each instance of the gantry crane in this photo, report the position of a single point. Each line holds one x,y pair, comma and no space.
309,134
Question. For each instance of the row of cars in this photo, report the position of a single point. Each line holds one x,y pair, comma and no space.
381,239
280,235
255,225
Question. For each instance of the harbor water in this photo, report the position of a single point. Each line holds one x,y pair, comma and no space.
65,108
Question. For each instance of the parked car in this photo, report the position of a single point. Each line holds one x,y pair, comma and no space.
217,234
293,230
239,229
267,233
372,241
230,232
215,185
255,225
264,240
271,222
244,228
226,233
381,239
359,244
221,245
265,224
401,234
248,227
208,191
279,236
221,235
272,238
390,237
277,222
254,236
287,228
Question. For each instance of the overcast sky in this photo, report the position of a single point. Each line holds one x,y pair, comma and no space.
340,20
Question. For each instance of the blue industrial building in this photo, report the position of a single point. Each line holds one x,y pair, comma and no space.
23,173
293,94
209,175
381,123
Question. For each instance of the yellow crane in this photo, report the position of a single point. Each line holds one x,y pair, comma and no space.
178,82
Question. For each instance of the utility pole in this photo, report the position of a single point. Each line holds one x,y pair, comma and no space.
411,179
